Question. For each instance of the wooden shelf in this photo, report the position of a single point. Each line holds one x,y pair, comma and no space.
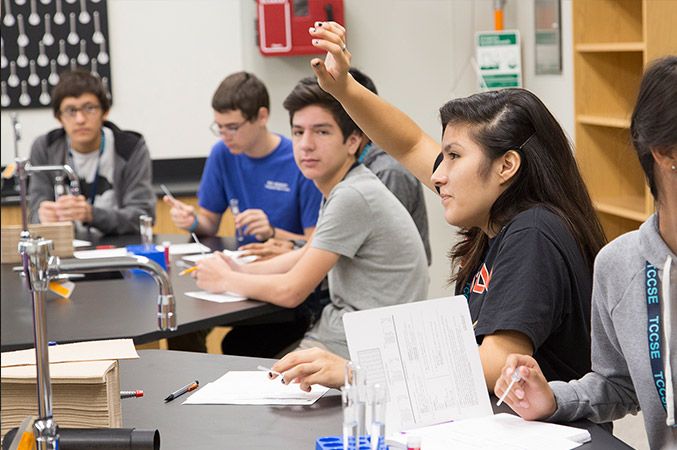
625,207
613,42
602,121
610,47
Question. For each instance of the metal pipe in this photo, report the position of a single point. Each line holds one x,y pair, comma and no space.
166,302
65,168
16,126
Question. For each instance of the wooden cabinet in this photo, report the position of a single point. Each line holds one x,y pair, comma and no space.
613,41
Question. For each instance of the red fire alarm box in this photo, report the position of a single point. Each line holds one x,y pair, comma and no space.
283,24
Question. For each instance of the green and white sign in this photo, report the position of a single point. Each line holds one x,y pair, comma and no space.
499,58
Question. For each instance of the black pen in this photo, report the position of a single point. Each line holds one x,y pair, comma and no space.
183,390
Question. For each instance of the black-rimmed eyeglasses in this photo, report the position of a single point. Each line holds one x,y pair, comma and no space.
87,110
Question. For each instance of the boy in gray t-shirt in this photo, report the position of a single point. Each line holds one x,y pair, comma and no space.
365,240
382,261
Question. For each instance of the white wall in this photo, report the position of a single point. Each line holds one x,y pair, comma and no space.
167,57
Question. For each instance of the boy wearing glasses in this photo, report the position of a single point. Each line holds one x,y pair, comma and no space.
253,166
257,168
113,165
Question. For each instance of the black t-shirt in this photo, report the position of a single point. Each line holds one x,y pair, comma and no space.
534,280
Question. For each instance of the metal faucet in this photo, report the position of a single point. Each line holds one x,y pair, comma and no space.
40,268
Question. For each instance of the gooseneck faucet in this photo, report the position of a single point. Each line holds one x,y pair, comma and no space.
40,267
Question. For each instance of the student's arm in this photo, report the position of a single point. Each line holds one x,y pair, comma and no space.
398,135
286,289
495,349
311,366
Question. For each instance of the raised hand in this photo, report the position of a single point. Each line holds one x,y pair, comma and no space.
332,73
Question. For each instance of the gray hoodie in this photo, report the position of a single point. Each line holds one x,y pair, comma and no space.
621,381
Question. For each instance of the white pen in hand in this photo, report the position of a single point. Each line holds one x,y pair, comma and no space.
513,378
169,194
271,372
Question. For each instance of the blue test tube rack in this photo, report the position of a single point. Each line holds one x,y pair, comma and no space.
336,443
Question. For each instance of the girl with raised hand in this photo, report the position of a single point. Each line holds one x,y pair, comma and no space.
507,176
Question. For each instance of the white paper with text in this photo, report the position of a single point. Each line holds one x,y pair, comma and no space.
426,355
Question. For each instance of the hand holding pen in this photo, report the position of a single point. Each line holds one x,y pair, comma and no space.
182,214
187,388
531,396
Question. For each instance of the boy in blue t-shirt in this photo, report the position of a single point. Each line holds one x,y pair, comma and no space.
253,166
257,168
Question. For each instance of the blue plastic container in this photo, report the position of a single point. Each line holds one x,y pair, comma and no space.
336,443
151,253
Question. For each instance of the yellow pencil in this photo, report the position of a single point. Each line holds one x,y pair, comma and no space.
188,270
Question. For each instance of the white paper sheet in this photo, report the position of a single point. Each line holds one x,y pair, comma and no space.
426,355
234,255
497,432
187,249
103,253
226,297
253,388
80,243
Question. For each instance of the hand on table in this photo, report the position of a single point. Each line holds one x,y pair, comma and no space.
268,249
531,397
311,366
212,272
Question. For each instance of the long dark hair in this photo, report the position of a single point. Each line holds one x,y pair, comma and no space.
654,119
515,119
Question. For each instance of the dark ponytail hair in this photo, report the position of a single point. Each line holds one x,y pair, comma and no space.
515,119
654,119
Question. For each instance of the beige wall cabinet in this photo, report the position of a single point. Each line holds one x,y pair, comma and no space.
613,41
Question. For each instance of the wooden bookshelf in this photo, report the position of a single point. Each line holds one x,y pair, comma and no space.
613,42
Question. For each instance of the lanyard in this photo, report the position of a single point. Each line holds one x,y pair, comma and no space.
653,308
364,152
95,182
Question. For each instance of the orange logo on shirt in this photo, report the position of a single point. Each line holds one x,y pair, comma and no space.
480,282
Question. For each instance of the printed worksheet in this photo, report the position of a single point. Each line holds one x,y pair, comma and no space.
426,355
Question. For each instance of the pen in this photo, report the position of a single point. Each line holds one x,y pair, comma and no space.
169,194
197,241
513,378
192,269
131,394
271,372
183,390
104,247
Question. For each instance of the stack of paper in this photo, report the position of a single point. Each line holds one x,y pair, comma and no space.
84,395
85,384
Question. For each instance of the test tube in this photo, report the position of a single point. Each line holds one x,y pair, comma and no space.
59,187
356,377
377,400
146,230
350,435
235,210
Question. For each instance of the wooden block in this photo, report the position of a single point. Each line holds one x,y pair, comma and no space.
61,233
